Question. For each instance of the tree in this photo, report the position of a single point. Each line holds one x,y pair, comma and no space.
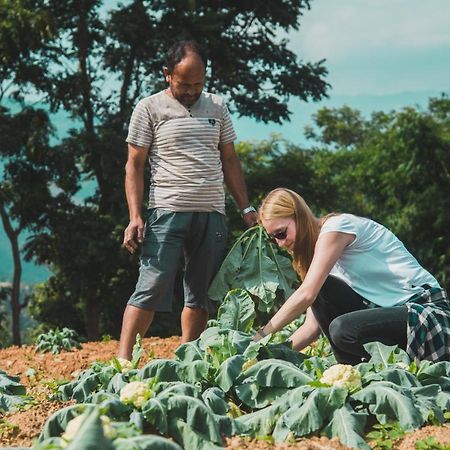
101,63
395,170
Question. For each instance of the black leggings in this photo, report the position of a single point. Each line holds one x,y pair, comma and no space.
349,323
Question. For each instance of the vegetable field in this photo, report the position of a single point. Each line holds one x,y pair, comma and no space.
223,389
46,370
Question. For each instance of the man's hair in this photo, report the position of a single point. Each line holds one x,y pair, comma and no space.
180,49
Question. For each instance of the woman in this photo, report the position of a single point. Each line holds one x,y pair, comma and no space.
359,284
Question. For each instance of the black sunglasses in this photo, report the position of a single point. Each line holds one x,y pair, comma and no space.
280,235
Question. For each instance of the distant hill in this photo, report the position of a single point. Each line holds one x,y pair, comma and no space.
248,129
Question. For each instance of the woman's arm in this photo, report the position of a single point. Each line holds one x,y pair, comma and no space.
328,249
307,333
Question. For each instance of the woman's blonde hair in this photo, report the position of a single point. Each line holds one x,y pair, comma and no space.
284,203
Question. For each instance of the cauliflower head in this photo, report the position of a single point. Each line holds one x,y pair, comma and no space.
74,425
342,375
125,364
135,393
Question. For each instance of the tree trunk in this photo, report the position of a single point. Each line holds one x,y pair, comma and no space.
15,290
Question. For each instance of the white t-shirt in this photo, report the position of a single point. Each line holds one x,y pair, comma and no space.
376,264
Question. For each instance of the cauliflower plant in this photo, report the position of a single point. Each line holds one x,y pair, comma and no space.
135,393
342,375
125,364
74,425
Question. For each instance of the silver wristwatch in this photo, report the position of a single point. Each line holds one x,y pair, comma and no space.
247,210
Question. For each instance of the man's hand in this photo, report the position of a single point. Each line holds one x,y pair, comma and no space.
250,219
133,235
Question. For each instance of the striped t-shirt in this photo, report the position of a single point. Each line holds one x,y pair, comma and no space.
184,155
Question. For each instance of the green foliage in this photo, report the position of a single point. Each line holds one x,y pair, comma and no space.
85,45
430,443
261,268
12,393
57,340
225,384
385,435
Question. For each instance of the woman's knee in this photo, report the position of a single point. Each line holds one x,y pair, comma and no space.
342,332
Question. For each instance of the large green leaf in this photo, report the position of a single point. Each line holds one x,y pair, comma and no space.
237,312
229,269
266,380
311,415
382,356
163,369
57,422
276,372
429,371
155,412
229,371
425,401
190,351
392,401
262,422
10,384
194,371
146,442
257,265
348,426
202,425
90,436
215,399
400,377
190,438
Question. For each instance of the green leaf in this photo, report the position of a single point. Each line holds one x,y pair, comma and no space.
229,371
193,412
263,421
215,399
57,422
190,351
137,352
388,399
237,312
399,376
163,369
258,266
263,382
348,426
230,267
90,436
155,412
190,438
146,442
381,355
310,416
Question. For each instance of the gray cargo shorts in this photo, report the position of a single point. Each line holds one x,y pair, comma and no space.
198,239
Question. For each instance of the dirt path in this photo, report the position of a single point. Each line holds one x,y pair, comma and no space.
39,373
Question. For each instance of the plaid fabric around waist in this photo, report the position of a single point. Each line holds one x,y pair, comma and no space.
429,326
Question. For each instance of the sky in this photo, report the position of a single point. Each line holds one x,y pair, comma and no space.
381,55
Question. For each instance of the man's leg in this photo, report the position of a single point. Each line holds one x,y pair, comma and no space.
161,253
193,322
135,320
204,252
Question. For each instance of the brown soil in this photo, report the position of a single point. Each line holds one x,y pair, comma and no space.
21,427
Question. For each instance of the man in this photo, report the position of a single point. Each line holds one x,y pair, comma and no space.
187,136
